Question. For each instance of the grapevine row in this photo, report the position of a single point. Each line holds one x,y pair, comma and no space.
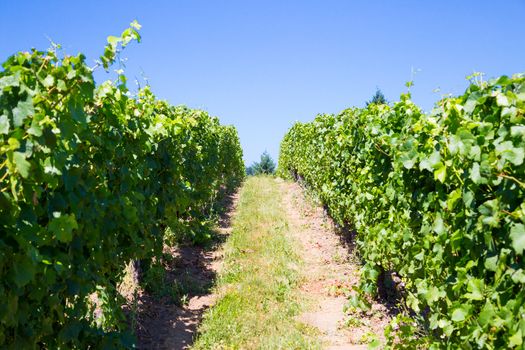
90,179
437,198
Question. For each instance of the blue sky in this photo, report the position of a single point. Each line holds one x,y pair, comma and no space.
261,65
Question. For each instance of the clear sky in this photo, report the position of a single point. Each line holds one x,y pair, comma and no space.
261,65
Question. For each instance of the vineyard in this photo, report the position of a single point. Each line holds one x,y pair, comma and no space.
437,205
93,178
384,227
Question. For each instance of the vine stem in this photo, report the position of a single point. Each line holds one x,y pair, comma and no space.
381,150
522,185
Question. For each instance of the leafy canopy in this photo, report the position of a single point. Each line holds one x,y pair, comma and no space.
91,177
438,198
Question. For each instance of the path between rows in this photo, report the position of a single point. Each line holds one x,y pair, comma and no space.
330,272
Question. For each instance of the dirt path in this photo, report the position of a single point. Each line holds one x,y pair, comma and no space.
160,324
332,270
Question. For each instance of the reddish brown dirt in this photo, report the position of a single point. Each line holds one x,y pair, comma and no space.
164,325
332,271
159,323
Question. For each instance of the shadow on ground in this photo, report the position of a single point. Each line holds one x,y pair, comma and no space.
171,321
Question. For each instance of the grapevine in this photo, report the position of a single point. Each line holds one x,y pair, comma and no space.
439,199
90,179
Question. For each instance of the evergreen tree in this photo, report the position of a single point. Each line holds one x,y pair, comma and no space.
265,166
377,99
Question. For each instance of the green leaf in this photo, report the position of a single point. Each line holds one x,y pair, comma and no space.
113,40
501,99
513,154
518,131
24,271
490,211
61,85
4,124
434,294
21,164
50,168
453,197
77,111
71,74
509,112
409,163
517,234
409,159
476,287
460,313
10,80
22,111
49,81
491,263
439,225
518,276
468,198
475,175
487,314
516,339
440,174
374,344
35,128
470,105
13,143
454,144
432,162
62,226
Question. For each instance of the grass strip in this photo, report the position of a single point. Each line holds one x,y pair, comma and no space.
259,281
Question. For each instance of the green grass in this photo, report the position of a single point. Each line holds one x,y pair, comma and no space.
259,282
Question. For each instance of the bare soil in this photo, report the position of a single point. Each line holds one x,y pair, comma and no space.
159,323
331,271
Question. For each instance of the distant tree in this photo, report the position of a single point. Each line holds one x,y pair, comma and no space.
377,99
265,166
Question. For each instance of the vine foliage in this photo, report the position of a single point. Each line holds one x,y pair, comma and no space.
438,198
90,178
